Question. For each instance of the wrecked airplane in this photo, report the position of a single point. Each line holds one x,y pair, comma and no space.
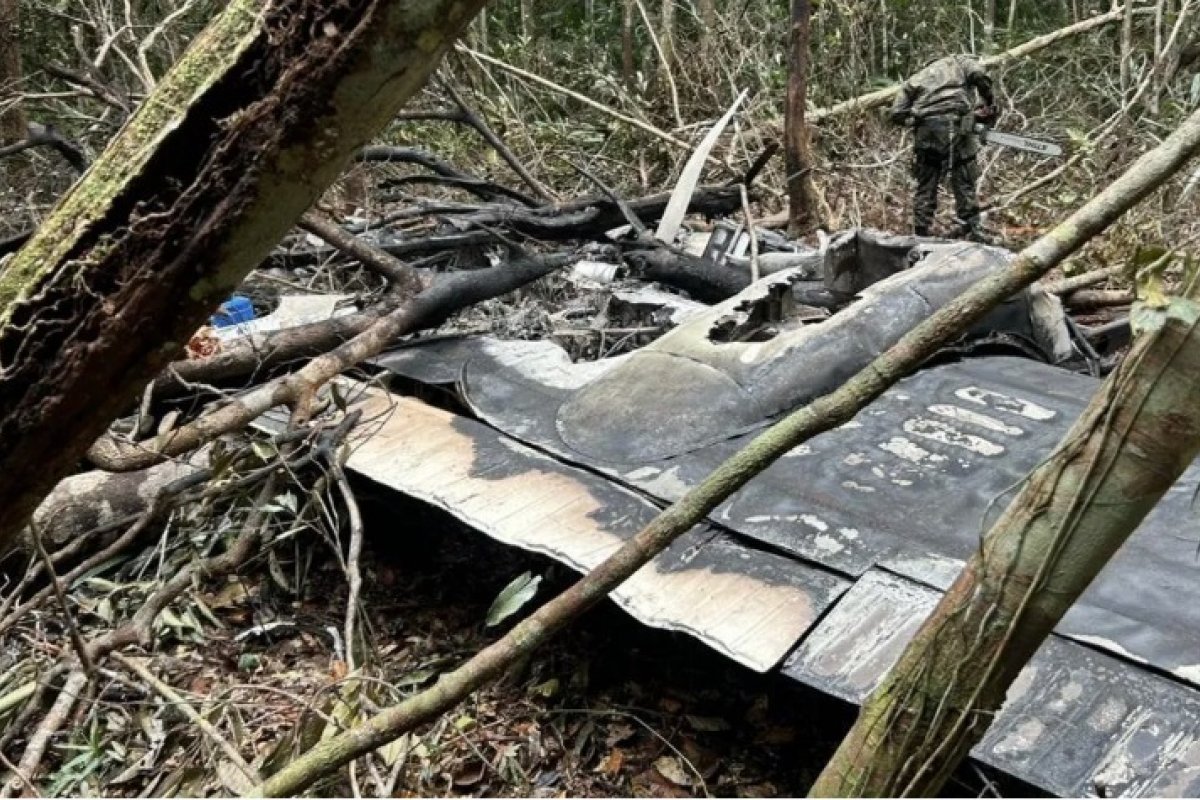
823,566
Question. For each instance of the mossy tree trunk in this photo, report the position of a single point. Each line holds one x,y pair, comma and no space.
262,113
1134,440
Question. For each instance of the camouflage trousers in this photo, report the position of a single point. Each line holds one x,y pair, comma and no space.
937,155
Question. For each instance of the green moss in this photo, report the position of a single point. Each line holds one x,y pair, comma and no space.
88,203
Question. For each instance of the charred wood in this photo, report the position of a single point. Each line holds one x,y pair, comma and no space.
589,218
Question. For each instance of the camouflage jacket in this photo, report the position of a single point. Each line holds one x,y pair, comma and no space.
945,87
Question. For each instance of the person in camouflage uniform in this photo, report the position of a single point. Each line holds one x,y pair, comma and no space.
939,104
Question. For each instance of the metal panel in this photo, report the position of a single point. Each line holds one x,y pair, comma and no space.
1076,722
751,605
911,483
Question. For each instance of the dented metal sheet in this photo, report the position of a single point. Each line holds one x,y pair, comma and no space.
1076,721
911,483
751,605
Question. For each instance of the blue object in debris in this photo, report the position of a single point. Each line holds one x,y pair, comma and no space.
234,310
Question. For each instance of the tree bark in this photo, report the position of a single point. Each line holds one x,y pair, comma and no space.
1133,441
1126,47
823,414
666,32
261,114
12,121
628,64
803,215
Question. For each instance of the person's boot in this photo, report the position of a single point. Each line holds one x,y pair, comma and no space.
976,233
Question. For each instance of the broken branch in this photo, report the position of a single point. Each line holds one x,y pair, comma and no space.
428,308
403,278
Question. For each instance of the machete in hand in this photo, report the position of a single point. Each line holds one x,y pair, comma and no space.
1016,142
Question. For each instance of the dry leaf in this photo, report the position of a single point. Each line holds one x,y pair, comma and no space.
611,764
469,775
673,770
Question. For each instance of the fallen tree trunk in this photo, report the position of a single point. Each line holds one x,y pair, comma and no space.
91,500
258,354
882,97
261,353
1132,443
825,413
262,113
702,280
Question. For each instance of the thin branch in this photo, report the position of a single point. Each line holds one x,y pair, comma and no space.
429,307
404,279
476,120
183,707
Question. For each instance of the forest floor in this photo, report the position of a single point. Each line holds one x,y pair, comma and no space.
609,708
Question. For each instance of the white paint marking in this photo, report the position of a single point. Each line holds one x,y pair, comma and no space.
911,451
966,415
938,431
828,544
814,522
1189,673
1004,402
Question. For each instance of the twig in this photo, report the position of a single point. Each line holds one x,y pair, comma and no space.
1076,282
76,640
17,774
471,117
354,553
175,699
666,63
754,274
23,720
587,101
50,725
48,136
450,175
403,278
1098,298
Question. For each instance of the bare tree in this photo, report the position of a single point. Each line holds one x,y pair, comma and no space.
666,32
12,118
989,26
803,215
628,63
1127,47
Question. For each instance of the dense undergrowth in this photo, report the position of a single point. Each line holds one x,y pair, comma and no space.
681,77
